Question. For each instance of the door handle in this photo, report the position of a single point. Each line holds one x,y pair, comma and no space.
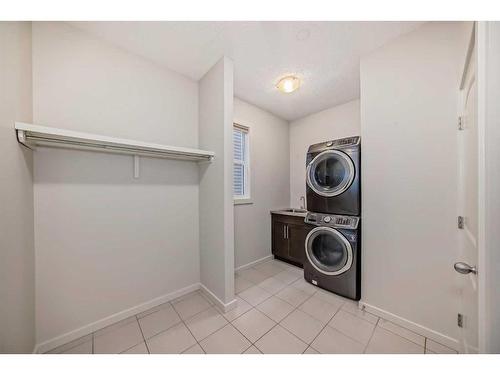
287,236
464,268
284,231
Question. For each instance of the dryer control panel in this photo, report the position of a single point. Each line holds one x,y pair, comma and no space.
343,143
334,221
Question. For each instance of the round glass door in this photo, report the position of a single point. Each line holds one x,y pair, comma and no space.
330,173
328,251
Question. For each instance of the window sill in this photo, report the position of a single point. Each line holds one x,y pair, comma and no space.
242,201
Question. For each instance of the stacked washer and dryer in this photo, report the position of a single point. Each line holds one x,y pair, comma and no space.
333,245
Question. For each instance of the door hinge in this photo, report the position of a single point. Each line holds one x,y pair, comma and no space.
460,320
460,222
461,123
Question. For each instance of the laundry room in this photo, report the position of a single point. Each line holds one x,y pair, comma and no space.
264,187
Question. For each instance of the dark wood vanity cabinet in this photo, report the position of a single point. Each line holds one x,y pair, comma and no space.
288,238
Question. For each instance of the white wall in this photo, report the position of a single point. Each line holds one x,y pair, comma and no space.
106,242
17,287
216,183
409,92
336,122
270,181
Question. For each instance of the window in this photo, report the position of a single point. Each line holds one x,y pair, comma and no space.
241,167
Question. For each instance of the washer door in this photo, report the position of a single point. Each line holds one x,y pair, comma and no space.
328,251
330,173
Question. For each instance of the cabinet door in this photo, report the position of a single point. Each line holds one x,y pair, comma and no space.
280,241
296,242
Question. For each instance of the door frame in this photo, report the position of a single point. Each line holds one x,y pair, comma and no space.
488,91
464,82
479,40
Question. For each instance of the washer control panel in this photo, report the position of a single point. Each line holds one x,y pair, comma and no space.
334,221
349,141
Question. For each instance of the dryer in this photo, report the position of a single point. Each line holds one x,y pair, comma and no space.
333,254
333,177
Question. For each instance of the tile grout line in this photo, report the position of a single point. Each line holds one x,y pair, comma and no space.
265,333
400,336
192,346
142,333
129,318
371,336
293,309
176,324
397,334
225,325
199,342
278,323
195,339
322,329
271,295
185,325
253,268
355,339
155,309
249,340
293,334
366,320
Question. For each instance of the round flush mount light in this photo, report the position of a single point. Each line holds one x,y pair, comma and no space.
288,84
303,35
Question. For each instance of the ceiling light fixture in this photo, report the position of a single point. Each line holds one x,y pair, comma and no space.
288,84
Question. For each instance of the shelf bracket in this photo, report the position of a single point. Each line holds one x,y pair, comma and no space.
21,136
136,166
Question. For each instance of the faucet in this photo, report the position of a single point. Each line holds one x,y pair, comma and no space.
302,202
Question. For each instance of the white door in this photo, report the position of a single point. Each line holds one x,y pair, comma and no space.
467,256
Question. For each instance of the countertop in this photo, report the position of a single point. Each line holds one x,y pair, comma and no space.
288,212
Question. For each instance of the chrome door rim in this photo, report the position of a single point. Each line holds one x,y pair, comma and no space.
338,235
343,186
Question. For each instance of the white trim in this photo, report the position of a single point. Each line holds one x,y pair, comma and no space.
412,326
254,263
92,327
238,201
212,297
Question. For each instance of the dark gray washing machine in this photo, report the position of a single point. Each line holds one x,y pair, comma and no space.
333,254
333,177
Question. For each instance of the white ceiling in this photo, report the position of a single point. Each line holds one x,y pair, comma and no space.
324,54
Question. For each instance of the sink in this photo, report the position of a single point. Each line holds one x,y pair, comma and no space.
295,210
291,212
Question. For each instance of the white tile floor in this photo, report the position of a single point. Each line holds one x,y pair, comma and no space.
278,312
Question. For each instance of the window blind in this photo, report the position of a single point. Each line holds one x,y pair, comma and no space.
239,156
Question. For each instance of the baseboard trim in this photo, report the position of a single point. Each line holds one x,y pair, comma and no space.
92,327
212,297
412,326
254,263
